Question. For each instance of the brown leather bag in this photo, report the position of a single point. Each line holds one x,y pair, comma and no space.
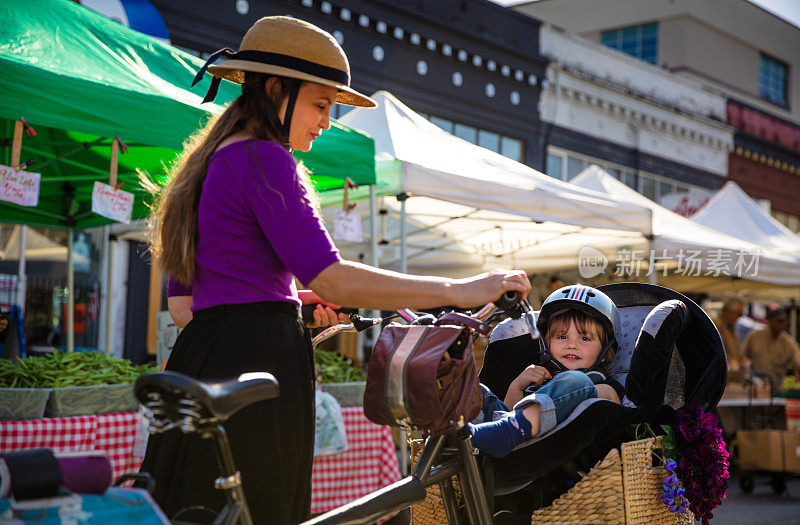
424,377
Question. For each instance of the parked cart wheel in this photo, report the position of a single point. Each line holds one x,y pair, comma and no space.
778,483
747,483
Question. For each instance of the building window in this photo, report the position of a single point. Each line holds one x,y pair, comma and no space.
772,75
443,123
638,41
467,133
489,140
511,148
340,110
565,165
506,146
554,163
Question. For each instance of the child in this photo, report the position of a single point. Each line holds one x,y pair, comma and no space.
578,326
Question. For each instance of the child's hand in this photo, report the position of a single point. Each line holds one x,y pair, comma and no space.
532,375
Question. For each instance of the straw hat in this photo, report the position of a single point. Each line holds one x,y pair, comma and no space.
285,46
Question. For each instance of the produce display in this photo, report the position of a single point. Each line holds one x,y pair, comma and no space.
333,367
62,369
791,384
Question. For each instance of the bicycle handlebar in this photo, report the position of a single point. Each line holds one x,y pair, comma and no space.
509,302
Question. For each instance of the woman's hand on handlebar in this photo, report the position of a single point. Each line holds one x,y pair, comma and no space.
488,287
324,314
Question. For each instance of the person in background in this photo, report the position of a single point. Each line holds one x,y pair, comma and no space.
238,223
772,349
732,310
555,283
3,327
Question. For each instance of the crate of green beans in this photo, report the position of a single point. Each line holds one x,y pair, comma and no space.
22,403
97,399
340,377
78,383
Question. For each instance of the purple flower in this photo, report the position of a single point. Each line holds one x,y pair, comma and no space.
702,465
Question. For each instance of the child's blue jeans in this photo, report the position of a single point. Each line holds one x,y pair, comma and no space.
556,398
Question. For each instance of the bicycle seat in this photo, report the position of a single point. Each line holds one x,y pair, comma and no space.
220,398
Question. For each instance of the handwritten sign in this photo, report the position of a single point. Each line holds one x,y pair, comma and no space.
347,226
111,203
20,187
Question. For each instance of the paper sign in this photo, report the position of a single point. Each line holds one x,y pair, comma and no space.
20,187
111,203
347,226
166,335
8,291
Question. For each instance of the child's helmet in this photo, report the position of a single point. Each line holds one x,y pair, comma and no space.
589,300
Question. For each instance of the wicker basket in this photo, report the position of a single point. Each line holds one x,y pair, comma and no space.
431,510
624,489
641,483
617,490
596,498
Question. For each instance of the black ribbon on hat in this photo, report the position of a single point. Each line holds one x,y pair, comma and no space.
273,59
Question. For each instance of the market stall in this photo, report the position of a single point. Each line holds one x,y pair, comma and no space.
698,258
336,479
105,104
83,402
471,209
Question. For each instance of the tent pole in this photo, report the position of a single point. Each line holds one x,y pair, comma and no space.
403,261
653,277
373,261
109,293
105,279
70,291
403,269
21,277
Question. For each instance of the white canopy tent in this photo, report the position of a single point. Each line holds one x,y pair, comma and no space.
457,240
38,247
439,165
732,211
472,209
718,261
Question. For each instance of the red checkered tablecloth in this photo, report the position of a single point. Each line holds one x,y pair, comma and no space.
369,463
110,433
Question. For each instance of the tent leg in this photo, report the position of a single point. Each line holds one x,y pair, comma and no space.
403,269
373,260
70,291
403,259
105,297
653,273
22,280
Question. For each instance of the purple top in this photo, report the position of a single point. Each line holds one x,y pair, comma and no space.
256,229
175,288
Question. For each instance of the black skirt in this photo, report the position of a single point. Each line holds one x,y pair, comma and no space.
272,441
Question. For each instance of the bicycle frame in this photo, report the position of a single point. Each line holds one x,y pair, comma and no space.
442,457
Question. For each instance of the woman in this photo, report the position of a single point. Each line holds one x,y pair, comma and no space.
238,223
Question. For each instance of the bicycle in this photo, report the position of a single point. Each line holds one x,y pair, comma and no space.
176,401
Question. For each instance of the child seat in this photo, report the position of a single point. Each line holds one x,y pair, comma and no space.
541,467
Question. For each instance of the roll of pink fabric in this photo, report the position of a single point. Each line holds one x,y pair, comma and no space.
85,472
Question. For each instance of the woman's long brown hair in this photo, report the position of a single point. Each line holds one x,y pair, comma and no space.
172,226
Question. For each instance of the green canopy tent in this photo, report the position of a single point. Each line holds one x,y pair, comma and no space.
81,79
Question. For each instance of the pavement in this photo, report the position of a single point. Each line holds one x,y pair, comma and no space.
762,505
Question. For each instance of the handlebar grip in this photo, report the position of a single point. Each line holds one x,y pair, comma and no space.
307,311
509,302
